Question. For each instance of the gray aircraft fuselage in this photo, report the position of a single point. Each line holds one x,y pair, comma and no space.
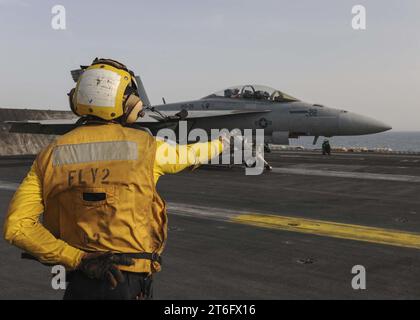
287,119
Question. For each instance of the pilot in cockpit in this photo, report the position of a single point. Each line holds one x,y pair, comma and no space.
278,97
261,95
235,93
228,93
248,94
232,93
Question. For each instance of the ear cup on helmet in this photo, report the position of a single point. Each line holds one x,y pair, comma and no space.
129,105
131,102
71,95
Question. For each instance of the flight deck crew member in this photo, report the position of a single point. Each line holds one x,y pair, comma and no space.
102,217
326,147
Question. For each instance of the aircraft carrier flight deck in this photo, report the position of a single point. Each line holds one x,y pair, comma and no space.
293,233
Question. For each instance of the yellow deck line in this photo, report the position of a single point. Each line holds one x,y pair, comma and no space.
332,229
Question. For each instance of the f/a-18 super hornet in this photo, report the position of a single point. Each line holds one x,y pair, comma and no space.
280,115
240,107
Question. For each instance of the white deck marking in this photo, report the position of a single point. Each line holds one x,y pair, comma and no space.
347,174
291,224
10,186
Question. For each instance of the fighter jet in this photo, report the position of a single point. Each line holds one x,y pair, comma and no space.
280,115
240,107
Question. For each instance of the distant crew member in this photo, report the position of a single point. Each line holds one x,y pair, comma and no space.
95,188
326,147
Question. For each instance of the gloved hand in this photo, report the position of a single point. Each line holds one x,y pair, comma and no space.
228,139
231,139
224,138
102,266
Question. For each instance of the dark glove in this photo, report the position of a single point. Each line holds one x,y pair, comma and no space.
103,266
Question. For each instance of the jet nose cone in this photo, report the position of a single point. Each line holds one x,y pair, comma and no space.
355,124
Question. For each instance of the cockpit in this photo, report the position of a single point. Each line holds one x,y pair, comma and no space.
253,92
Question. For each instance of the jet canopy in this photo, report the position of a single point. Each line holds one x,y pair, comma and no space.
253,92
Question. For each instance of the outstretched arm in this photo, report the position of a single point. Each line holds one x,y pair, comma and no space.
173,158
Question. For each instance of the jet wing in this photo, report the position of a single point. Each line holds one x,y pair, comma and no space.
150,120
192,114
56,126
196,114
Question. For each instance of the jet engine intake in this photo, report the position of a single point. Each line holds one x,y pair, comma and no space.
280,137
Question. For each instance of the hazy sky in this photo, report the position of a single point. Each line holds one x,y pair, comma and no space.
188,49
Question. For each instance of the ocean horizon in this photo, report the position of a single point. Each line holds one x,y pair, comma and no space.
395,140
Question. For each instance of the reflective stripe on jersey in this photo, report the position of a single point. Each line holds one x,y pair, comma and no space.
94,151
